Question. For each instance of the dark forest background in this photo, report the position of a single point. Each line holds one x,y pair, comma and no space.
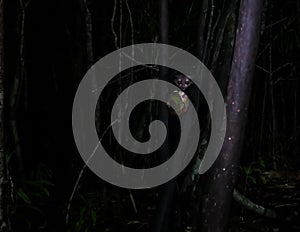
48,48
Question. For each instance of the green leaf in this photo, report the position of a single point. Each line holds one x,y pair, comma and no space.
262,163
79,225
252,179
248,170
39,183
23,196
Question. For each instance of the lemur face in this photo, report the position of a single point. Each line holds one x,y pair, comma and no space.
182,82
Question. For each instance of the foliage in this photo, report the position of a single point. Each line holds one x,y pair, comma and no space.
28,200
85,216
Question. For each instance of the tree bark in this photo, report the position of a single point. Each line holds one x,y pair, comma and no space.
167,193
3,226
221,178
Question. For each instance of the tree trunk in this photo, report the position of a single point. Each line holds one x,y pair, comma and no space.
221,178
3,226
167,193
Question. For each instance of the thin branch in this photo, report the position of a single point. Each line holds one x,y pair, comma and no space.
248,204
89,35
263,69
131,24
273,24
82,171
121,23
112,24
205,55
133,202
201,28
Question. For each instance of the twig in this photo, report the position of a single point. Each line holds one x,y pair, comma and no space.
112,24
133,202
82,170
204,57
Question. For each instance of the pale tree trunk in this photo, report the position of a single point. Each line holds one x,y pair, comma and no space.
3,226
215,210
